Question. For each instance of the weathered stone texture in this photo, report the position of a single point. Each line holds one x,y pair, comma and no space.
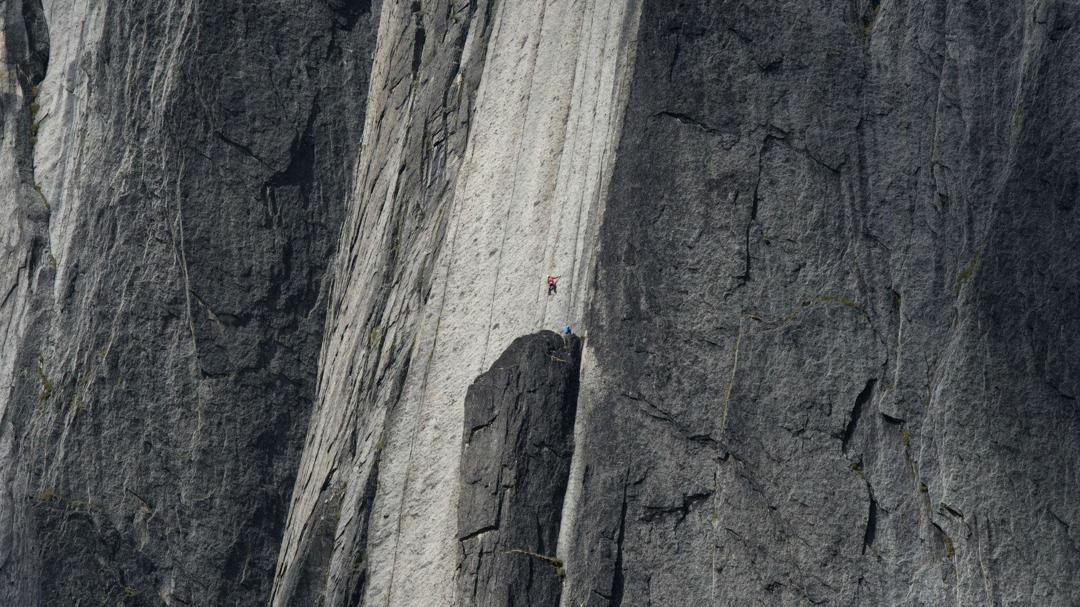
188,162
835,312
822,256
515,462
487,147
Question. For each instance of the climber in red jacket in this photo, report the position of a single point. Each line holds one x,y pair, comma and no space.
551,280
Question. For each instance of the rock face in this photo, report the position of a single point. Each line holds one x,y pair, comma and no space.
490,132
168,220
822,258
515,463
832,356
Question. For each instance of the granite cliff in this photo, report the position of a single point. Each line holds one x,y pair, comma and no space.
173,183
274,328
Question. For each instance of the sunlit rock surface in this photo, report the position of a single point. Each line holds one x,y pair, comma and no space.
822,260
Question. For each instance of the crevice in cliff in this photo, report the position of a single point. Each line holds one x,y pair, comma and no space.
783,136
856,414
420,38
945,541
674,61
866,19
689,120
315,553
683,431
481,531
301,168
893,421
348,12
32,71
754,201
224,319
689,502
243,149
618,580
358,572
870,531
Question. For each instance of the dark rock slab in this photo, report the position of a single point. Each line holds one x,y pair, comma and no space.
518,442
835,313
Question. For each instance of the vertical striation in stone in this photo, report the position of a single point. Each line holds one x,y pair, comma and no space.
832,329
424,78
168,217
26,275
822,258
484,166
515,461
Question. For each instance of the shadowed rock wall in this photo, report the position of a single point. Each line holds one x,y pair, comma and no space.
176,203
833,342
515,460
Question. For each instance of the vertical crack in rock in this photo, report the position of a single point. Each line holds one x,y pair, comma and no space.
27,274
856,414
419,38
618,580
755,201
870,531
349,12
358,573
31,69
515,463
